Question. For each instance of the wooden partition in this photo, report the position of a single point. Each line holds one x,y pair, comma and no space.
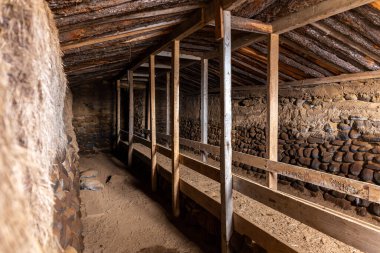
326,220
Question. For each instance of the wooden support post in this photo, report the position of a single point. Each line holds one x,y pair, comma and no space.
144,110
204,106
152,80
225,141
148,113
131,118
175,127
168,103
117,111
272,107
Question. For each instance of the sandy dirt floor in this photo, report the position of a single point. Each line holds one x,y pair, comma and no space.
122,218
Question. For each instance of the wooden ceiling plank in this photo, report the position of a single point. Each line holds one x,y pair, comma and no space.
119,36
193,24
293,21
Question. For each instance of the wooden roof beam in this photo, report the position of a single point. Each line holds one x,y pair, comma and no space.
116,36
199,19
248,25
296,20
181,56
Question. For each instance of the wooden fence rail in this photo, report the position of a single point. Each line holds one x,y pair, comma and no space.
363,190
318,217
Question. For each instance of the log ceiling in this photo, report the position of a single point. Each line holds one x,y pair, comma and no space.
100,39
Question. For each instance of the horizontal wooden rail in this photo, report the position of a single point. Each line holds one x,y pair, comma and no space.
363,190
268,241
354,232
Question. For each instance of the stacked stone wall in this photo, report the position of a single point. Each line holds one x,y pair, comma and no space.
94,116
333,128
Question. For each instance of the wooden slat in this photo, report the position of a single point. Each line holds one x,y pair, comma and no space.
117,111
306,16
323,219
225,141
333,79
346,40
131,118
351,231
315,13
143,141
193,24
152,81
359,189
272,107
270,242
175,127
204,105
148,113
133,32
168,103
248,25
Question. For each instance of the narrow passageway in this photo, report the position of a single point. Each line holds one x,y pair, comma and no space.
122,217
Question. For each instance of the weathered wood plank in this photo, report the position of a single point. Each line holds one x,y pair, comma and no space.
152,81
359,189
117,111
333,79
248,25
193,24
131,119
272,107
293,21
106,38
225,140
168,103
204,105
175,127
323,219
315,13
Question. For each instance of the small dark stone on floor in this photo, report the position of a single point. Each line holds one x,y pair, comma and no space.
361,211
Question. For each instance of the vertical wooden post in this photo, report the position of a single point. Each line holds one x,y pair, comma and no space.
131,118
148,113
204,105
144,110
272,107
117,112
225,141
168,103
175,127
152,80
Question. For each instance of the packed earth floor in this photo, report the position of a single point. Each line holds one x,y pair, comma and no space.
123,218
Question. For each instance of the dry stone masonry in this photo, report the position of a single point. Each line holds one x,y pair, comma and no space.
334,128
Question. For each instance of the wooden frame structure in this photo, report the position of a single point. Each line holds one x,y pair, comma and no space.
325,220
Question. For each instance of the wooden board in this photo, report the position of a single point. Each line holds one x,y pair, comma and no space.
272,107
204,106
175,127
321,218
131,118
351,231
363,190
225,140
241,225
117,111
152,81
